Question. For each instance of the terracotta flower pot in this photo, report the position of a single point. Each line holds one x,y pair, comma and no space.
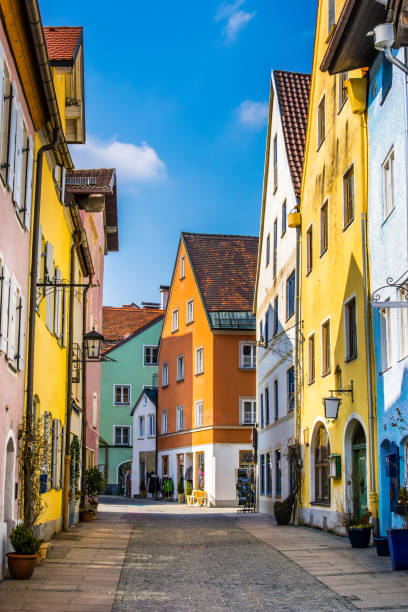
86,516
21,567
180,498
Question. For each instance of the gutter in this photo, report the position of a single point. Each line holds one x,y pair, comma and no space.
84,419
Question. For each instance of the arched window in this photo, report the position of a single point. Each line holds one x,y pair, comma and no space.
322,451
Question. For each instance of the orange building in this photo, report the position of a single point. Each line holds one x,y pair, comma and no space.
207,358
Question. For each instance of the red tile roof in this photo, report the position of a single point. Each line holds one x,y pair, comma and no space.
62,43
225,268
293,93
95,180
118,323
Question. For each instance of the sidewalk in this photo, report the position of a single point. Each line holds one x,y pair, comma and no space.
359,575
81,572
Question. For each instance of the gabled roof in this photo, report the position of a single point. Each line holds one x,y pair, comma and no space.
153,395
225,269
95,180
293,94
62,43
124,322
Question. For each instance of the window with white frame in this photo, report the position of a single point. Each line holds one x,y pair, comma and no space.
175,320
388,184
121,435
179,418
121,395
190,311
403,343
199,413
141,430
151,425
165,374
268,250
182,267
275,162
248,410
180,367
331,14
385,324
164,421
150,355
247,355
199,360
12,320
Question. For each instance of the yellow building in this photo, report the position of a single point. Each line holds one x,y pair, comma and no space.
338,452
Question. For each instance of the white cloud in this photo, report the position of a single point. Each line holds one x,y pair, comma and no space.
134,163
236,19
252,114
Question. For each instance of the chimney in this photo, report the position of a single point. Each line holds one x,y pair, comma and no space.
164,292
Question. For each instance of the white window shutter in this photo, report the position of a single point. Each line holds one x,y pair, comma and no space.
49,263
22,334
12,320
54,450
29,183
12,137
62,185
57,304
1,86
5,298
18,158
39,265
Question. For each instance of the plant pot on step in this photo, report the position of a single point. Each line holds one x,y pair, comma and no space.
381,545
86,516
42,553
283,513
21,567
180,498
359,536
398,543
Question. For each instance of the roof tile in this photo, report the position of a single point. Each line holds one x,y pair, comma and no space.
62,42
120,322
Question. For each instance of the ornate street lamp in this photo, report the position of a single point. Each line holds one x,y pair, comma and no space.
331,404
93,344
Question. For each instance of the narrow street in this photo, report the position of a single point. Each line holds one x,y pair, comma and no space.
155,556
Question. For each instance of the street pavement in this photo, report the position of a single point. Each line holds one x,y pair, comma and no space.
141,555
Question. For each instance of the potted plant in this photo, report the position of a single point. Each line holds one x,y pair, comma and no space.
94,485
283,510
86,514
398,537
22,561
359,532
189,492
180,491
142,489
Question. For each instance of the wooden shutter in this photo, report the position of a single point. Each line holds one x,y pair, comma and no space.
62,185
49,276
29,183
12,137
4,307
1,89
22,334
12,320
39,266
62,457
57,304
18,158
63,316
55,454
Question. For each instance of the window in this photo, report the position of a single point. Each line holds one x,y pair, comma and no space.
141,431
290,295
150,355
268,474
311,359
325,348
121,395
49,277
385,323
284,218
165,374
342,93
276,398
179,418
348,190
331,7
200,471
278,473
309,249
165,465
275,247
175,320
275,163
350,320
388,184
199,413
151,425
190,311
266,406
322,452
248,411
403,345
199,360
94,409
321,122
267,326
5,120
122,436
248,356
268,249
180,367
164,422
182,267
290,375
55,453
324,228
262,476
262,411
276,316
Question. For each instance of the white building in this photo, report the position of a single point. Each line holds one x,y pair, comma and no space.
275,293
144,438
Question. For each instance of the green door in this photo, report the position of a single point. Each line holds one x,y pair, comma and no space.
359,472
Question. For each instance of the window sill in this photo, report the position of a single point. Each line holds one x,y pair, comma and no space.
124,405
324,374
388,216
309,272
151,365
323,252
242,369
384,371
351,358
342,106
174,331
179,380
290,316
189,323
164,386
326,504
311,382
283,233
199,374
348,225
320,144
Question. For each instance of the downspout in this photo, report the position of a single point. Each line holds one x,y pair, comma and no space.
32,305
84,419
67,460
298,371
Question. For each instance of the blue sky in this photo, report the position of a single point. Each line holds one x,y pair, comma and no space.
176,99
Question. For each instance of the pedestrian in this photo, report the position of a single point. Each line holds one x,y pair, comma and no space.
128,483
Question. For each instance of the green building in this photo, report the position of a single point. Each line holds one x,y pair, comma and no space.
131,339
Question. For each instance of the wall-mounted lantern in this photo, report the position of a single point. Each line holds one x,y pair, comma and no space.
332,403
93,344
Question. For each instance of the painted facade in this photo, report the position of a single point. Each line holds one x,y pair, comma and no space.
144,438
204,428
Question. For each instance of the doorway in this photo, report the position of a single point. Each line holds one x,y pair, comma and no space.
359,471
122,471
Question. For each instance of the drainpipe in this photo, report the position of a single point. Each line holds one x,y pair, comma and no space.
298,399
32,306
77,239
84,419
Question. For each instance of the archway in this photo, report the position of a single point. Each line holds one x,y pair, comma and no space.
355,462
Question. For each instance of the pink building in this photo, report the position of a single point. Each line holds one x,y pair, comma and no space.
95,193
